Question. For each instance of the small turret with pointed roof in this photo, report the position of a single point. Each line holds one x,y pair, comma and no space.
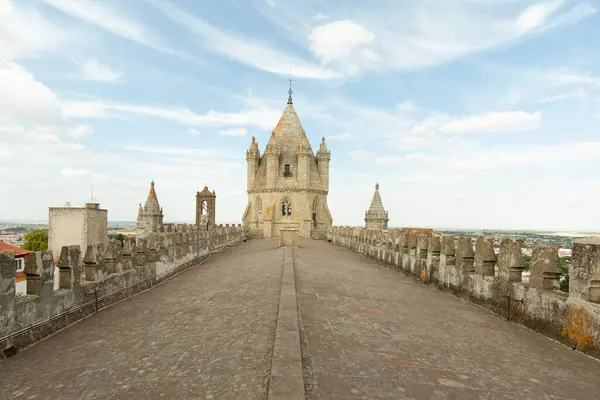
150,217
376,217
253,152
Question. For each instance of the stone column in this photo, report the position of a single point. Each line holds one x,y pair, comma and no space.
433,257
140,253
465,256
110,257
510,260
68,265
8,280
485,258
127,255
39,269
545,268
584,273
89,264
421,257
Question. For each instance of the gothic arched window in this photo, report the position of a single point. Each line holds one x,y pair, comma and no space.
204,207
286,207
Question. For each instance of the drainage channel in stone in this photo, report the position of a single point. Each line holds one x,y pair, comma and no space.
287,379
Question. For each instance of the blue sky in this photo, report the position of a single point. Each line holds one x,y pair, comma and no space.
469,113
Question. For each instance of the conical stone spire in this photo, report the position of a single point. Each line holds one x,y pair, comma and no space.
152,206
376,217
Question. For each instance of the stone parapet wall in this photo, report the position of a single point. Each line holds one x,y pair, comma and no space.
469,268
95,279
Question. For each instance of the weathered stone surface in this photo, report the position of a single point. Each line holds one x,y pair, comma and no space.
69,267
584,274
510,260
189,338
465,256
545,267
484,261
39,269
370,332
8,276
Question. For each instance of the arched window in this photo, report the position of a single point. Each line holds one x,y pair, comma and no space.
204,207
286,207
259,205
315,204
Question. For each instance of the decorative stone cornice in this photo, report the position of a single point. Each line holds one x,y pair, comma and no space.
288,190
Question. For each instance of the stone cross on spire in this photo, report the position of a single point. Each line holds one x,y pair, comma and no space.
290,91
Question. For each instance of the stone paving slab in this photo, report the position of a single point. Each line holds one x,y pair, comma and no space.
206,334
369,332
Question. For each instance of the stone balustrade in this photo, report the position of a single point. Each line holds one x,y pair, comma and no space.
95,278
471,269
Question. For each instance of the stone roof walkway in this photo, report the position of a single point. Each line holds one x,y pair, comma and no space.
367,332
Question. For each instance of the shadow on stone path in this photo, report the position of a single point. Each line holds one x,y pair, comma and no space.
370,332
206,334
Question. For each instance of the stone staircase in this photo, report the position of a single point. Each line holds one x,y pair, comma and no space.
256,234
318,234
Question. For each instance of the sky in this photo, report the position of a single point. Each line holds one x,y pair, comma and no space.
468,113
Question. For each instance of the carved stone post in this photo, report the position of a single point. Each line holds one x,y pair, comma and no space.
39,269
110,257
89,264
8,280
421,255
127,255
465,256
510,260
485,258
433,256
140,253
545,268
68,265
584,273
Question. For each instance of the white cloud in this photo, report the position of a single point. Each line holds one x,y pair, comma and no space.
82,131
258,55
536,15
341,136
233,132
359,155
509,121
402,36
339,40
176,151
254,114
193,131
567,77
94,70
24,32
74,172
115,21
29,100
319,16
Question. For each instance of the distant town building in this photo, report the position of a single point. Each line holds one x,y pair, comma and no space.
20,257
150,217
68,226
206,209
376,217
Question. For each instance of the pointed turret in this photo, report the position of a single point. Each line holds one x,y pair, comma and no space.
376,217
150,217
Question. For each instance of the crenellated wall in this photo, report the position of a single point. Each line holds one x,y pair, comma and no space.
470,268
95,279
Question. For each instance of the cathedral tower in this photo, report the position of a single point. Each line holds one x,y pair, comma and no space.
288,185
